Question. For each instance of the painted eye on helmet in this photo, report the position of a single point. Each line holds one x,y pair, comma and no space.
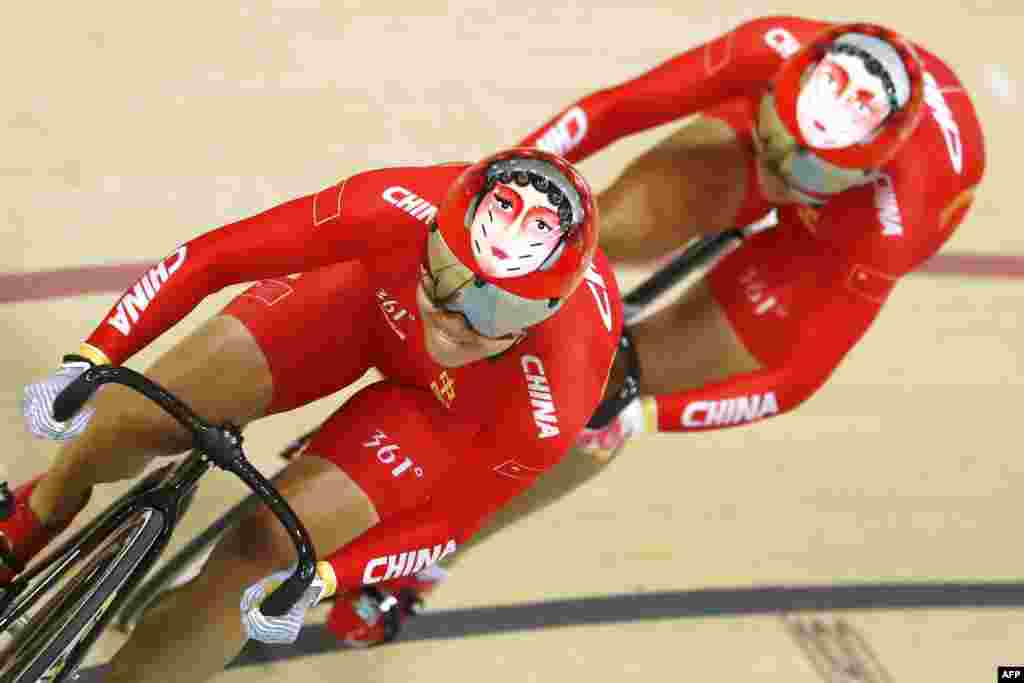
504,199
835,77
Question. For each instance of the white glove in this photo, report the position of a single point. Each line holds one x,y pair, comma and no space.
37,404
285,628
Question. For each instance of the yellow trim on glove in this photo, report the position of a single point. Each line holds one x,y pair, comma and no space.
326,573
94,354
650,408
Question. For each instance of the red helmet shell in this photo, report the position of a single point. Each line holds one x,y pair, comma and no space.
557,280
894,131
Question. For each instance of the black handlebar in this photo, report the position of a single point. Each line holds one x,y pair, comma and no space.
223,446
74,396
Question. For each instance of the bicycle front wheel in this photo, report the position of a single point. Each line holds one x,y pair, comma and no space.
68,621
180,568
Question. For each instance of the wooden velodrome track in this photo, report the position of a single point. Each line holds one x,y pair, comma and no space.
887,505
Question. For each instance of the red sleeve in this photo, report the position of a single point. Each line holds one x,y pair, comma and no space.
735,64
416,538
399,546
342,222
828,335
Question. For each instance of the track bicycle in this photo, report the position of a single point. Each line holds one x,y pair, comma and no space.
55,611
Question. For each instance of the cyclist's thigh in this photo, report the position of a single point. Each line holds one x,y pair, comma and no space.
309,331
775,289
376,458
692,183
219,371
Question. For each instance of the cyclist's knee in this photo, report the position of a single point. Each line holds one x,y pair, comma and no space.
691,184
121,438
126,428
258,540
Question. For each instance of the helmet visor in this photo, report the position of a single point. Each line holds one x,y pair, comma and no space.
488,309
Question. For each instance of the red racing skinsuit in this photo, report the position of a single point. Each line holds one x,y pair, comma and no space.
436,449
802,294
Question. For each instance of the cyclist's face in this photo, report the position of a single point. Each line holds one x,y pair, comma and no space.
841,104
449,339
514,230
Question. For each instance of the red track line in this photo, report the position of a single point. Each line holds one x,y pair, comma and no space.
69,282
978,265
54,284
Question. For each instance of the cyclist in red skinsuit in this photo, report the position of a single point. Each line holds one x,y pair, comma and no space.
800,295
493,356
773,319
